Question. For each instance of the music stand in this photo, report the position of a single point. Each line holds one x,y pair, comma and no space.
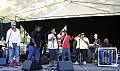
79,51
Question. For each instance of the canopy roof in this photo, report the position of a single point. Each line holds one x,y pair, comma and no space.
21,10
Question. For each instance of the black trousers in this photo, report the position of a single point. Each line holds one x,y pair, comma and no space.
83,51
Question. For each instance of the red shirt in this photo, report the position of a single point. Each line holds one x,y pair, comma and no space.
66,43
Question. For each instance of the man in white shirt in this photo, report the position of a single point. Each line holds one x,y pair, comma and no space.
82,46
53,47
13,43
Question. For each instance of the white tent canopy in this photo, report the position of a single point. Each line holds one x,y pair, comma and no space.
76,9
20,10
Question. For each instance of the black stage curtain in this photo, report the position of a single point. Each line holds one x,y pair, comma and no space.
104,26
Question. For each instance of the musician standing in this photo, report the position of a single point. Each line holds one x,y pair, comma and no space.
34,46
53,47
66,45
13,43
82,46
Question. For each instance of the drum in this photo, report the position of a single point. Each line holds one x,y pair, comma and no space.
108,55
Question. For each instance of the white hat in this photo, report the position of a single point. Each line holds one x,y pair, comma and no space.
13,23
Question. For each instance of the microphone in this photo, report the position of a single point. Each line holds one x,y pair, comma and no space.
62,33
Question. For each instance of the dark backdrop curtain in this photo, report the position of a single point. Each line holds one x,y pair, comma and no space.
104,26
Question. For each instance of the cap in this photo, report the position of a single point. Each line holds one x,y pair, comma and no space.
13,23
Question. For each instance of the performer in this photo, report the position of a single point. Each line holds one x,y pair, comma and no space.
66,45
82,46
53,47
102,53
13,43
2,47
2,42
95,46
34,45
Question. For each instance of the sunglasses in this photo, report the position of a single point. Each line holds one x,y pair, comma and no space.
13,25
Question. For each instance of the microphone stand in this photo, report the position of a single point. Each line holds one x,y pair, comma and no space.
45,35
54,51
44,49
79,51
7,50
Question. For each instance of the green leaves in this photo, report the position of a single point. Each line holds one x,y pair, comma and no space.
4,21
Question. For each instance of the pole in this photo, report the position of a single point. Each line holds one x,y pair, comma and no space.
79,50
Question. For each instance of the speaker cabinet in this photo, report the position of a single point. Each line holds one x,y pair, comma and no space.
65,66
3,61
31,65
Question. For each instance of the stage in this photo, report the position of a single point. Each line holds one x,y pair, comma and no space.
87,67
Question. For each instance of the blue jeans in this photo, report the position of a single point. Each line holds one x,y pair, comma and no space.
102,55
33,50
64,50
94,49
14,51
53,54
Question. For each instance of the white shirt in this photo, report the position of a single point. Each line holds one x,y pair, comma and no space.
82,44
13,37
52,44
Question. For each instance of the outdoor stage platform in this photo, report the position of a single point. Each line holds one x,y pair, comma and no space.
87,67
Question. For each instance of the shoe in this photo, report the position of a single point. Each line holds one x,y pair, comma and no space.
106,63
11,64
51,63
55,63
76,63
95,61
84,63
17,64
109,63
102,63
